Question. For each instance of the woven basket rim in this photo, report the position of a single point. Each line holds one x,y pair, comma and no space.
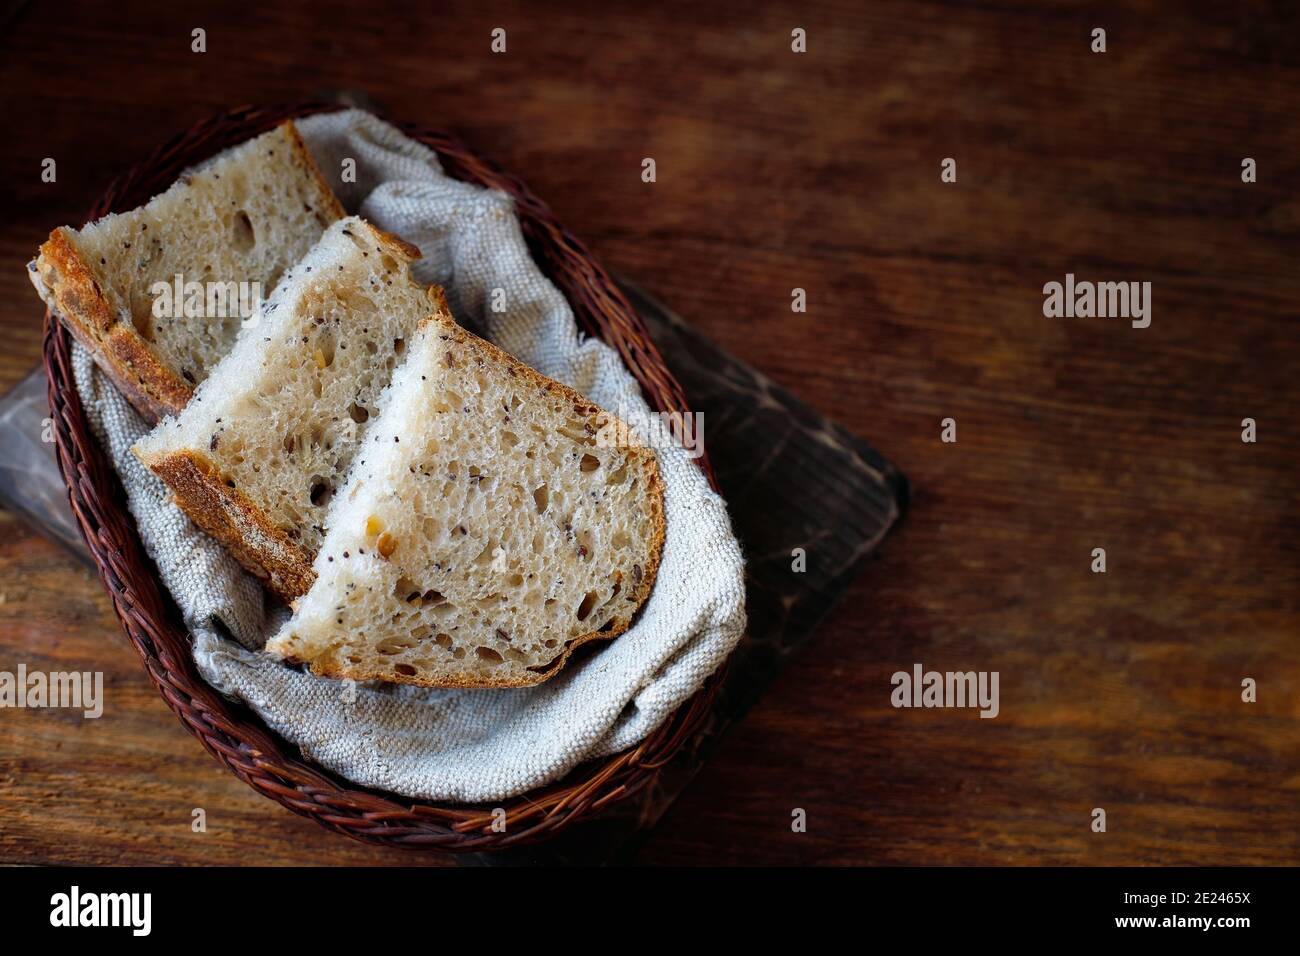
231,732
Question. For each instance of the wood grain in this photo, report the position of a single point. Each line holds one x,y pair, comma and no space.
818,171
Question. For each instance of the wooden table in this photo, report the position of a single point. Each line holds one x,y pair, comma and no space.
819,171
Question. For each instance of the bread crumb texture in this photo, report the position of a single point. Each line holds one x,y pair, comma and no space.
282,416
484,532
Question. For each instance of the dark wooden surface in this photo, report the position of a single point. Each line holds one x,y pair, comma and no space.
818,171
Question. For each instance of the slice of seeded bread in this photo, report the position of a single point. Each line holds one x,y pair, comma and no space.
257,454
243,217
488,528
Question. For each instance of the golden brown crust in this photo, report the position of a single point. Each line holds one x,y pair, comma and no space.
333,209
228,515
72,292
395,243
163,391
328,664
125,382
72,283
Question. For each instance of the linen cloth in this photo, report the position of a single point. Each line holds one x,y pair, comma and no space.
454,745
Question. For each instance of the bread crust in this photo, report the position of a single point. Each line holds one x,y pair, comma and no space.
69,287
228,515
328,664
308,162
73,295
74,286
158,389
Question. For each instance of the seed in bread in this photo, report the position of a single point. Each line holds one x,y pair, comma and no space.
244,217
256,456
485,530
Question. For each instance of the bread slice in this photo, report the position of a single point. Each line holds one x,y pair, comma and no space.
488,528
256,456
244,217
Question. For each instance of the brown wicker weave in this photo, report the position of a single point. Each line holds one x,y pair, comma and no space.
231,732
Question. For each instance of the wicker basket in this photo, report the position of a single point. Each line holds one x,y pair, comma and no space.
231,732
